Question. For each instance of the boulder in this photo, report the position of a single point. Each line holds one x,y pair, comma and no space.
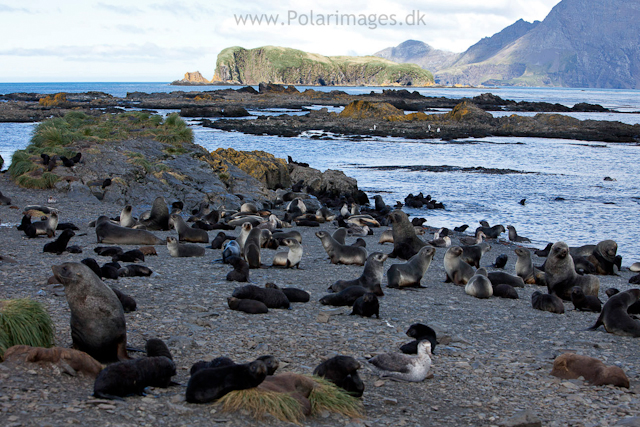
263,166
330,182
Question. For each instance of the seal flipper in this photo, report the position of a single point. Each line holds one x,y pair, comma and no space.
597,324
107,396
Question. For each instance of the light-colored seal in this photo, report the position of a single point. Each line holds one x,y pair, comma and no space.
98,325
186,233
371,277
244,233
635,267
126,217
341,254
524,266
110,233
183,250
560,274
48,226
457,271
614,314
231,249
479,285
403,367
291,258
410,273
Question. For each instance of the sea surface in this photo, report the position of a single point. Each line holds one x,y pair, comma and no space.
563,181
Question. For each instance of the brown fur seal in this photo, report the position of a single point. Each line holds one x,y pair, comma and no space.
584,302
240,272
560,274
98,325
603,257
500,277
109,233
132,376
547,302
48,226
505,291
614,314
158,218
291,258
341,254
244,233
513,235
473,254
491,232
251,250
186,233
367,305
292,294
249,306
410,273
457,271
572,366
343,372
371,277
207,385
405,241
177,249
345,297
479,285
524,266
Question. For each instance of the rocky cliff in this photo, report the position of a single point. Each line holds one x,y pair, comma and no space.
192,79
290,66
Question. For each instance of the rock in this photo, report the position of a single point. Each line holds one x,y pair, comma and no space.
523,419
263,166
369,110
194,78
331,182
201,112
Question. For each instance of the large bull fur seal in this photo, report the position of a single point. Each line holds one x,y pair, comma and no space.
110,233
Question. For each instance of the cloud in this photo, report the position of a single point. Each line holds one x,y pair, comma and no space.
8,9
123,10
131,29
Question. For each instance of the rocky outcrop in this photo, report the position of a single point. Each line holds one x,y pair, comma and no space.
192,79
265,167
366,109
290,66
331,182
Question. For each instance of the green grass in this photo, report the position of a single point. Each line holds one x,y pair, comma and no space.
24,322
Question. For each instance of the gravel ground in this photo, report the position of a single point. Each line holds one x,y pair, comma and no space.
493,362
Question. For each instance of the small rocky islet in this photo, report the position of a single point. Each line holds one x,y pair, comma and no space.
492,365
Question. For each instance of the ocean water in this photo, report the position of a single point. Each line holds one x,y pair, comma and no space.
563,182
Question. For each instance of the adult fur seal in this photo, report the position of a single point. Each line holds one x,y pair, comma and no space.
524,266
479,285
158,218
457,271
560,274
513,235
231,249
614,314
344,297
341,254
251,250
98,325
547,302
405,241
177,249
410,273
186,233
371,277
473,254
207,385
291,258
367,305
109,233
584,302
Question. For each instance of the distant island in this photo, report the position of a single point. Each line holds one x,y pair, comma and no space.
581,43
281,65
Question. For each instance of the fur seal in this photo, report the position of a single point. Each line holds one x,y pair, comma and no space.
281,235
419,332
133,255
341,254
543,253
371,277
501,261
158,217
524,266
155,347
183,249
513,235
109,251
574,366
505,291
60,244
207,385
367,305
604,257
98,325
126,217
635,267
240,272
500,277
128,303
547,302
251,249
633,308
470,241
186,233
219,240
132,376
405,241
456,270
272,298
245,229
109,233
584,302
491,232
560,274
48,226
340,235
343,372
345,297
291,258
249,306
231,249
410,273
473,254
614,315
403,367
479,285
292,294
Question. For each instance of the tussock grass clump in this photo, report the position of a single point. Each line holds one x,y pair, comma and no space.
329,397
260,402
24,322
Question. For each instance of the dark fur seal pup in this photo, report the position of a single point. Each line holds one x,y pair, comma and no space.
500,277
293,294
513,235
405,241
207,385
67,226
410,273
456,270
343,372
461,228
183,249
109,251
505,291
560,274
240,272
128,303
341,254
133,255
60,244
186,233
133,270
473,254
271,363
133,376
547,302
479,285
367,305
220,238
93,265
491,232
614,315
249,306
98,325
371,277
110,270
273,298
501,261
158,218
109,233
419,332
344,297
291,258
584,302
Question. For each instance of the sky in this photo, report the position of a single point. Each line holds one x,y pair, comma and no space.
159,40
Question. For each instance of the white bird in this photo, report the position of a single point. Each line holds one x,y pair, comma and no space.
403,367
